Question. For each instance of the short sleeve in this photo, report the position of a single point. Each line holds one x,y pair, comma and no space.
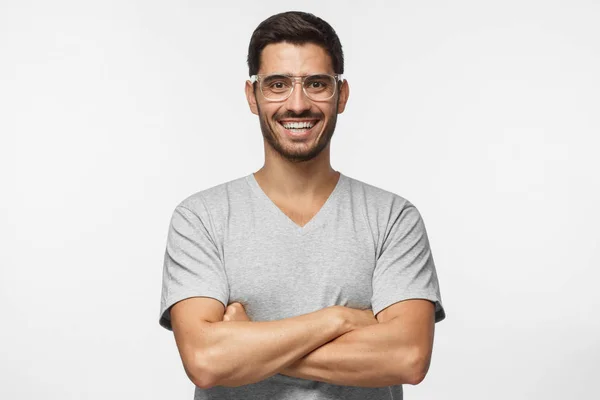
192,266
405,268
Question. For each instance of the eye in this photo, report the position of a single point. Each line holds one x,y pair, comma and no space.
318,83
277,85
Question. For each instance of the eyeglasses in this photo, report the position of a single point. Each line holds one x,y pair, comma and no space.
279,87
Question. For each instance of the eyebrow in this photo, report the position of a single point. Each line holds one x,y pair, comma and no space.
288,75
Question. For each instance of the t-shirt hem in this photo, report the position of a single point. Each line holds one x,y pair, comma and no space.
165,316
440,314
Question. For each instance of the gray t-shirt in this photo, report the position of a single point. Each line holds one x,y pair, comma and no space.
365,248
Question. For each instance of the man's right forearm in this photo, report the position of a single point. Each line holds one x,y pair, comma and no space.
242,352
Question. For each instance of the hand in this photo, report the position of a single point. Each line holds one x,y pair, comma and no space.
355,318
235,312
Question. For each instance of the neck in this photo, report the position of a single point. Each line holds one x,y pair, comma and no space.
284,179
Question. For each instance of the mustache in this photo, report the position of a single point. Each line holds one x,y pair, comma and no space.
303,115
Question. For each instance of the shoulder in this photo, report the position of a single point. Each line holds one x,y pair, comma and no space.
210,208
216,199
385,211
377,199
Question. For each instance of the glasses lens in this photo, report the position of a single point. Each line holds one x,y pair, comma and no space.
319,87
276,87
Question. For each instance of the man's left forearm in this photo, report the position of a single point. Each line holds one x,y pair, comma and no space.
373,356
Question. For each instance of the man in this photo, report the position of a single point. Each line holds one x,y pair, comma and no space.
297,281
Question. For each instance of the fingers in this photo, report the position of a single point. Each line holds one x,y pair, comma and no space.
235,312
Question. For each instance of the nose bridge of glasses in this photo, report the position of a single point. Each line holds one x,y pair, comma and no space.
294,93
297,80
299,97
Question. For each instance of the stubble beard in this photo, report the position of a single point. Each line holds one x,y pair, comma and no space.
296,156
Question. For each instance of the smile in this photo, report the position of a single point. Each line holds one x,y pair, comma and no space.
298,126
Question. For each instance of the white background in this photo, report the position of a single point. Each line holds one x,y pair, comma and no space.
483,114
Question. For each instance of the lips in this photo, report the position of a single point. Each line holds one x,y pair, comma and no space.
298,123
298,128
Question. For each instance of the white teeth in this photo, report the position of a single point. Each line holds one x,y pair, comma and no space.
298,125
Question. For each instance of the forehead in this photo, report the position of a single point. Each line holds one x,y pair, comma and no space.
295,59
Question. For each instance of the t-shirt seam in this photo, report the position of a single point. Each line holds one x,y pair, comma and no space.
364,215
186,294
223,259
413,293
210,220
393,299
211,235
249,183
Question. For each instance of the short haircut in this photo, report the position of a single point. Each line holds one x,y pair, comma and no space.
295,27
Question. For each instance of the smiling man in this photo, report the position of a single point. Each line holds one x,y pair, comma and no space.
297,281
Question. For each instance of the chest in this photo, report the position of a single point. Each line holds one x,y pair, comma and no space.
278,275
300,215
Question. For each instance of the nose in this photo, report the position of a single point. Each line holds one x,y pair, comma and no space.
298,102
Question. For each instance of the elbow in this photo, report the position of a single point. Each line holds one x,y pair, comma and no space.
416,377
416,369
203,380
199,372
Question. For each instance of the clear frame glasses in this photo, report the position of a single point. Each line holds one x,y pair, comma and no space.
279,87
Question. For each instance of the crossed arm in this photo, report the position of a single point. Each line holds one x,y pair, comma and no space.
329,345
396,350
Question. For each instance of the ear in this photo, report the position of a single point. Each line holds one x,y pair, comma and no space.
343,96
251,97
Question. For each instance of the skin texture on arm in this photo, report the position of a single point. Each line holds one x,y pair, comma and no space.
234,353
396,350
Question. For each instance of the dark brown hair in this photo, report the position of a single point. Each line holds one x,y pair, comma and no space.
295,27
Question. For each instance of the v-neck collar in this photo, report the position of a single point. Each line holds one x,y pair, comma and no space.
315,221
